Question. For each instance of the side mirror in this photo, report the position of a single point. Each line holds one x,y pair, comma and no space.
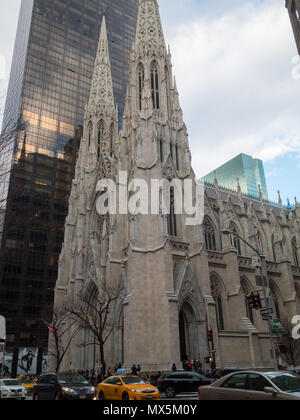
269,390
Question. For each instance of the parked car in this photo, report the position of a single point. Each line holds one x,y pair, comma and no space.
226,371
250,385
126,388
63,386
174,383
11,389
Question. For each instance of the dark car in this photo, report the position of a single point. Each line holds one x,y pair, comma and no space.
174,383
63,386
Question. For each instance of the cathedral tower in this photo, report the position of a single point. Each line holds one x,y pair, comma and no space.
165,310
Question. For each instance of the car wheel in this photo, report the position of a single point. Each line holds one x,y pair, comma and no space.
125,397
170,392
101,396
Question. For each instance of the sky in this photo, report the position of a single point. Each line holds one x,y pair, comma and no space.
238,77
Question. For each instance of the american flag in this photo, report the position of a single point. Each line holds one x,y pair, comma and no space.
50,328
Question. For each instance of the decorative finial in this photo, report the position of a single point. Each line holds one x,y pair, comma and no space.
216,180
260,192
279,199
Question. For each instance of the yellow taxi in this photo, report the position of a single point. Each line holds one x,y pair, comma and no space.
27,383
126,388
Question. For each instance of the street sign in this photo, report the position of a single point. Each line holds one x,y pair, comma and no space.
266,314
276,321
2,328
256,262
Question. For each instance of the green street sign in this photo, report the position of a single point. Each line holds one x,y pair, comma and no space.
276,321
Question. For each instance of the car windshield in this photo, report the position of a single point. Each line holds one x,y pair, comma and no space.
133,381
71,379
12,383
287,382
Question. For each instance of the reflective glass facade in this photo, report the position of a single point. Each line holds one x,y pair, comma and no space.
49,86
249,171
293,7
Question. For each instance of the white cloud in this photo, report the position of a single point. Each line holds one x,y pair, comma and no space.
234,75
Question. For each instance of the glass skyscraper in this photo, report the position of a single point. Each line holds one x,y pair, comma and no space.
49,86
249,171
293,7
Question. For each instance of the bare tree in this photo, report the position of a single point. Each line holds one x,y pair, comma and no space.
93,314
288,346
63,331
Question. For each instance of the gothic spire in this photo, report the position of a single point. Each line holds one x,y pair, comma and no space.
149,28
101,95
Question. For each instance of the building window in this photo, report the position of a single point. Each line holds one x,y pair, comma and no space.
90,133
100,136
210,236
111,138
295,252
235,241
217,295
155,85
161,150
274,296
260,242
177,157
247,291
172,222
141,76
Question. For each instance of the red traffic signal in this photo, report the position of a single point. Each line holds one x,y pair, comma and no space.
210,335
255,300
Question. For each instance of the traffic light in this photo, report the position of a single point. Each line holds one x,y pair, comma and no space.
254,300
210,335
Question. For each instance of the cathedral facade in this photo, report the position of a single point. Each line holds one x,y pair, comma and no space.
175,282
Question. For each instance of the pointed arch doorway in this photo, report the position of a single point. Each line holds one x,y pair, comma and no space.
188,333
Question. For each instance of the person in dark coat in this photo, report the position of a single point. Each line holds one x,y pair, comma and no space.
174,368
134,370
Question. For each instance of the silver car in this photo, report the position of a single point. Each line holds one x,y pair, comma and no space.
251,385
11,389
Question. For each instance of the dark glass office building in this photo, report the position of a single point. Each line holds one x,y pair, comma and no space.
49,86
293,7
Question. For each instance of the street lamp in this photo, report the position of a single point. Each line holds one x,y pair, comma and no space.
267,301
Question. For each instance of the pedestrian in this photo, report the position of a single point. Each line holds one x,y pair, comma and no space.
138,371
174,368
99,377
134,370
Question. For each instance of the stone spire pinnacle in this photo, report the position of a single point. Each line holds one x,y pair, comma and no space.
149,28
102,87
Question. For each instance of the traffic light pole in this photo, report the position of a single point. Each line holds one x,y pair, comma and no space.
267,301
267,304
3,360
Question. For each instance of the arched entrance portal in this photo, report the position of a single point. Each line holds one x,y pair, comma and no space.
189,333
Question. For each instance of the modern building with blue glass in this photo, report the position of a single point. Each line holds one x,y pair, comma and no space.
242,169
51,74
